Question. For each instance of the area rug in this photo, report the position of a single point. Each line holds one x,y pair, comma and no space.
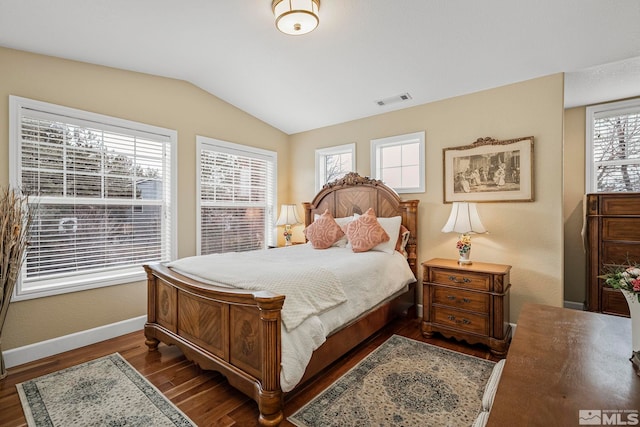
402,383
104,392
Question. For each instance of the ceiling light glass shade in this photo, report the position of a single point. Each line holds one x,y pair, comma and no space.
296,17
464,219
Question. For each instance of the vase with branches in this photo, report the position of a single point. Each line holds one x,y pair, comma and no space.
15,219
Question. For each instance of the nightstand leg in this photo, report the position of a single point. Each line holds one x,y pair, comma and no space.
426,330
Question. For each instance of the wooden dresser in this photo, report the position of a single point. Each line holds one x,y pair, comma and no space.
467,302
562,362
612,237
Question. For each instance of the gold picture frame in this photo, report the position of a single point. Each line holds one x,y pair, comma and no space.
489,171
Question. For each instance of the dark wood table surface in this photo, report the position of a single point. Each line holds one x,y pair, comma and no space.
564,361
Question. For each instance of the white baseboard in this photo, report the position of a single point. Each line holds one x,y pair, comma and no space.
574,305
31,352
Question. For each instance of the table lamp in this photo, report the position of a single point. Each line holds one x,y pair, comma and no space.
288,217
464,219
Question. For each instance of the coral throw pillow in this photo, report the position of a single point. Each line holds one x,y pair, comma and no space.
324,231
366,232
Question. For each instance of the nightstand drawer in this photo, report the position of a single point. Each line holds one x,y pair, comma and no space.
469,322
472,301
462,279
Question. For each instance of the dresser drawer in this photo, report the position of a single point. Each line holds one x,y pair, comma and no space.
620,204
619,252
469,322
472,301
461,279
613,302
620,228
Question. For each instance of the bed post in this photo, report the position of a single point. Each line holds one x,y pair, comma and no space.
270,399
410,219
151,341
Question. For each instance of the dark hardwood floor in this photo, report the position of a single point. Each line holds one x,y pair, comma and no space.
205,397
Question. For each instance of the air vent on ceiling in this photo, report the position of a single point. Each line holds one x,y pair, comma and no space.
394,99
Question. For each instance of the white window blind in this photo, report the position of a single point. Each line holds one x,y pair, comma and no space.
236,197
398,161
613,153
102,188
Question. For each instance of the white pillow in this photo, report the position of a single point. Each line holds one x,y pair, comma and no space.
342,242
392,227
492,385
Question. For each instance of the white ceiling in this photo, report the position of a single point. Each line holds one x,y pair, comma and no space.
362,51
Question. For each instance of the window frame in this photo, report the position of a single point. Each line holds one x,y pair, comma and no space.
80,281
321,163
592,113
399,140
203,142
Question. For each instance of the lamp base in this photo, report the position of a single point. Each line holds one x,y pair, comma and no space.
287,235
464,258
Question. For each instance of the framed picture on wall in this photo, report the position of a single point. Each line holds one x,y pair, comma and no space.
489,171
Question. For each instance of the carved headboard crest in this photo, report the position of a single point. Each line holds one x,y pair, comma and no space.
352,178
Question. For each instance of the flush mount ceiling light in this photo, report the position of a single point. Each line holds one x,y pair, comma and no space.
296,17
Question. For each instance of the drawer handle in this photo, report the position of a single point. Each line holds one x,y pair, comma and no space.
456,280
453,298
463,321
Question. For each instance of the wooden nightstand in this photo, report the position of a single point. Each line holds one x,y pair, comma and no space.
467,302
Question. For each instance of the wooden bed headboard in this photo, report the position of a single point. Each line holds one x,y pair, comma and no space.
355,194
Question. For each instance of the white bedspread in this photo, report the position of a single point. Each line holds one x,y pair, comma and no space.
366,278
309,289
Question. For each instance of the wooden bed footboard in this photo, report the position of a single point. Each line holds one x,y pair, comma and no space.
234,332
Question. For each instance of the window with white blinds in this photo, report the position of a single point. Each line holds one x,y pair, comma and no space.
103,189
613,147
236,197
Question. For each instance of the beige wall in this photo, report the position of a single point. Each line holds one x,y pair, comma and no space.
140,97
528,236
574,189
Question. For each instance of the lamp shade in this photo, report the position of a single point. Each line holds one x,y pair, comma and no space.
464,219
288,215
296,17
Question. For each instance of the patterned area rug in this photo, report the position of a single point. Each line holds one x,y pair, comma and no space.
402,383
103,392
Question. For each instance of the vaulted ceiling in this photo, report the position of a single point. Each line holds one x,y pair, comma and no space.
362,51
